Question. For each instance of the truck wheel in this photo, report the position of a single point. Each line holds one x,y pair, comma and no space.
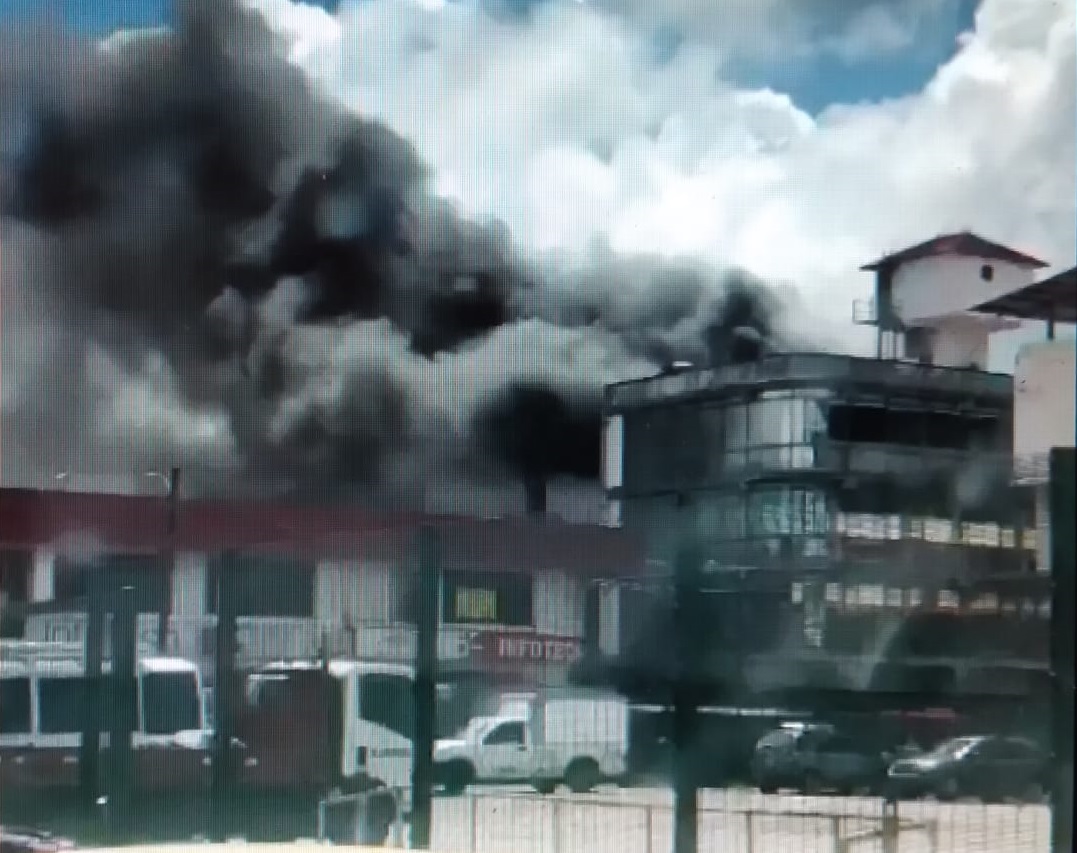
582,775
456,777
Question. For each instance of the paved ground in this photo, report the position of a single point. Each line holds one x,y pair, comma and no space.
620,821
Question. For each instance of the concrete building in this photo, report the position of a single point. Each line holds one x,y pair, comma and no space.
1045,375
513,593
862,510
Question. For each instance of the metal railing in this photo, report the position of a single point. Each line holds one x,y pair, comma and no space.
733,821
260,640
1031,469
822,369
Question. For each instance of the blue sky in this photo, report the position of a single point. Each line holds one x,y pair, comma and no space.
813,83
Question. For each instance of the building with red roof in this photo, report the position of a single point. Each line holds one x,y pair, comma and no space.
309,572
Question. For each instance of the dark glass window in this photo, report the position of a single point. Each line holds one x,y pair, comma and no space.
14,706
170,702
15,570
507,734
152,586
497,598
387,700
265,585
61,704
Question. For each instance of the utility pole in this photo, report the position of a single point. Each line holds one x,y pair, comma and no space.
169,556
89,749
223,685
123,716
425,687
1063,507
687,642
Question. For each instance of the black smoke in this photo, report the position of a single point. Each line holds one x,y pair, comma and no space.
210,263
540,433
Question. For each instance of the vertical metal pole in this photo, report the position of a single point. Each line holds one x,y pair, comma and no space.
169,557
891,827
474,823
425,690
1063,508
685,701
224,675
648,829
123,718
89,749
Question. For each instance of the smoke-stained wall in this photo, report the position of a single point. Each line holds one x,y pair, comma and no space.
209,263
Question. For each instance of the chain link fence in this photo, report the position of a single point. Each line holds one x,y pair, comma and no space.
318,715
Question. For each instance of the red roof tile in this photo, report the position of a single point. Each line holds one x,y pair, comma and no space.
965,244
139,525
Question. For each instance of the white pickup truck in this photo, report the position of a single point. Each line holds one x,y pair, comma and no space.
579,738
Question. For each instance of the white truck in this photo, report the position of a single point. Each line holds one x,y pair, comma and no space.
579,738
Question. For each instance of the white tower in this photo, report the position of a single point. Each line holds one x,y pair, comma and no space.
924,298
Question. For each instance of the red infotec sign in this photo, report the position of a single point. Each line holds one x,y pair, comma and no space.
508,647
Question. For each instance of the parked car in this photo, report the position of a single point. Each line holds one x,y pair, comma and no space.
20,839
815,758
987,767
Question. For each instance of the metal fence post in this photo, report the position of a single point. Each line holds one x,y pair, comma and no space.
749,832
686,700
555,820
890,827
425,686
1061,504
648,828
835,828
473,809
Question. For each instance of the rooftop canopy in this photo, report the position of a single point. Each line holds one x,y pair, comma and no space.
965,244
1054,299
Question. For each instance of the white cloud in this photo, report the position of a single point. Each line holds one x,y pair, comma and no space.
569,129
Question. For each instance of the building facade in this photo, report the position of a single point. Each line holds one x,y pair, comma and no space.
859,510
513,593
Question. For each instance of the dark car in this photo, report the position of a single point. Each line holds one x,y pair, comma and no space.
987,767
19,839
814,758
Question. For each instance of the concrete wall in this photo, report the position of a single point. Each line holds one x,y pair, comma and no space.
933,287
357,592
1045,414
189,576
961,340
1044,402
558,604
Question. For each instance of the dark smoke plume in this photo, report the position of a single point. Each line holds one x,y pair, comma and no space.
208,263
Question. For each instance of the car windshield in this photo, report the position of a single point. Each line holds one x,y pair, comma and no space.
474,728
956,748
170,702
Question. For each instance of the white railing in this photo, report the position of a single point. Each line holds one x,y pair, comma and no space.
260,639
1030,469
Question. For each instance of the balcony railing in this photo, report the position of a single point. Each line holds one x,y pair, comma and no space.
261,640
809,369
1031,469
899,459
865,312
